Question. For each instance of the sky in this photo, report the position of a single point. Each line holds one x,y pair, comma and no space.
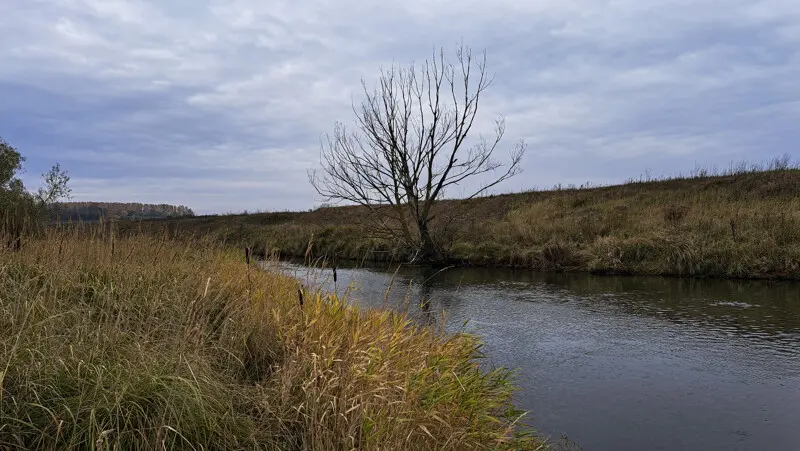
221,105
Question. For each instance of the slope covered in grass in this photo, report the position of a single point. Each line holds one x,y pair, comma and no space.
744,225
140,343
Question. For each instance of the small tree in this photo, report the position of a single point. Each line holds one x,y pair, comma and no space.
410,145
21,211
56,186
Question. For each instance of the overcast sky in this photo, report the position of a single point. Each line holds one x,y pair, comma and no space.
220,105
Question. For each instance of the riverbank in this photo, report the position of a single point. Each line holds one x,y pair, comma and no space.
144,343
742,225
619,363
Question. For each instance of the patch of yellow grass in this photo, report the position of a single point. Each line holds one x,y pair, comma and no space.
142,343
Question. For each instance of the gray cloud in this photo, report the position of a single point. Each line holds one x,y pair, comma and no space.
220,105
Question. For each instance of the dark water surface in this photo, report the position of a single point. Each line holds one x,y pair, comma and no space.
620,363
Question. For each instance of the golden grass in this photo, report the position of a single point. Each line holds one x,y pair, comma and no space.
739,227
743,225
143,343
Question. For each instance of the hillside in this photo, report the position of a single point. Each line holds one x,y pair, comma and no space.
745,225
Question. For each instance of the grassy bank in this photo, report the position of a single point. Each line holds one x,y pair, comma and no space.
142,343
741,225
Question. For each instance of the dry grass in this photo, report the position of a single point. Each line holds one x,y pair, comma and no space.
142,343
746,226
742,225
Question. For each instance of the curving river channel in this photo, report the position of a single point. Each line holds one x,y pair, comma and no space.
619,363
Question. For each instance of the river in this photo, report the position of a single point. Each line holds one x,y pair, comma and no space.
618,363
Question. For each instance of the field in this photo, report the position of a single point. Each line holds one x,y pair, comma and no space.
110,342
744,224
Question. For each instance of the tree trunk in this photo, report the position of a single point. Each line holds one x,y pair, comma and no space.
428,251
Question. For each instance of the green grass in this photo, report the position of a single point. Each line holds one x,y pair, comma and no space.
742,225
145,343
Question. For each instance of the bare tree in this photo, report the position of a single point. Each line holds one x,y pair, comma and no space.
410,145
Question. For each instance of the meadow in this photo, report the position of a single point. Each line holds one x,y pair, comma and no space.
110,341
742,223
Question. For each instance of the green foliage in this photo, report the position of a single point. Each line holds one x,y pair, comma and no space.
10,163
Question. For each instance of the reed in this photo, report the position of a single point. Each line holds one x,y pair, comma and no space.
110,341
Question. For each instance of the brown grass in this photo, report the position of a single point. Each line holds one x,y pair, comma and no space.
143,343
744,225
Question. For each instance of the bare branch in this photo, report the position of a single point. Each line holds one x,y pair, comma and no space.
410,145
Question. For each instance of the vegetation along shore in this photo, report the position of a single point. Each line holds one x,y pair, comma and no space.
121,331
130,342
142,343
743,223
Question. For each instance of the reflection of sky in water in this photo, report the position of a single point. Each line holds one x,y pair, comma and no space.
620,362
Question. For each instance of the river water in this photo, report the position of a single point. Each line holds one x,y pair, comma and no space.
618,363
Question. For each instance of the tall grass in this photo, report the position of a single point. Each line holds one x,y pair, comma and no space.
745,226
110,342
739,223
19,216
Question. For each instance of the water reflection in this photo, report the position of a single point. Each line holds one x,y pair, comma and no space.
765,310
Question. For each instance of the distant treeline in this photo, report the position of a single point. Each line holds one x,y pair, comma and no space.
93,211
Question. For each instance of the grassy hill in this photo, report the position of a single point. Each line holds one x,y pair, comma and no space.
742,225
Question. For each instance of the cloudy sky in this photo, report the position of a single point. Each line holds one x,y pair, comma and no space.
220,105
